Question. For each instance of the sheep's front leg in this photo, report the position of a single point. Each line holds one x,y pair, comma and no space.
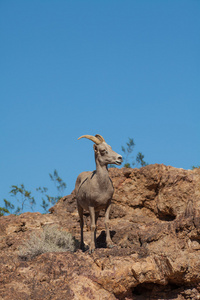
93,228
80,212
108,238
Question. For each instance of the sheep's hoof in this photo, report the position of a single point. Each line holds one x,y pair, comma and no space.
92,248
110,245
91,251
84,248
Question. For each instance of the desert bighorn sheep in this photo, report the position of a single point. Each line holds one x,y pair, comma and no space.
94,190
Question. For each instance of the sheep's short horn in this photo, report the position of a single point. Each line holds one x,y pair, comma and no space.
100,138
92,138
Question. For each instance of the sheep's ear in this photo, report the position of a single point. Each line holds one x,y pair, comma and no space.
95,148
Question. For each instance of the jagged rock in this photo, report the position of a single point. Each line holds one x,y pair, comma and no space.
154,223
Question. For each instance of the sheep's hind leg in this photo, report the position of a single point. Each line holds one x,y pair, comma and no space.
109,242
96,218
93,228
80,212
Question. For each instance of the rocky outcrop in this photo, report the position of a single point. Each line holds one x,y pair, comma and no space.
155,225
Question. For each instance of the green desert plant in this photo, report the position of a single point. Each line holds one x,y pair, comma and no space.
26,200
128,151
195,167
47,199
51,239
3,211
23,197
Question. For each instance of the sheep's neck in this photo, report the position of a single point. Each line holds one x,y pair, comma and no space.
102,175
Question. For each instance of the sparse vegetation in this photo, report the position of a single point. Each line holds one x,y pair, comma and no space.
7,208
23,197
26,200
48,200
195,167
128,151
51,239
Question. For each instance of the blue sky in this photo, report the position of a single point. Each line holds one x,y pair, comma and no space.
118,68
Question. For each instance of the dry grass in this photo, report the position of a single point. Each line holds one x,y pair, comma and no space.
50,240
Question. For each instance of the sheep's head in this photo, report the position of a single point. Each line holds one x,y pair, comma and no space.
103,152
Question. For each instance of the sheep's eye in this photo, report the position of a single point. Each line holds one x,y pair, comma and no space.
103,152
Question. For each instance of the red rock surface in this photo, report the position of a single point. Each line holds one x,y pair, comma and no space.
155,225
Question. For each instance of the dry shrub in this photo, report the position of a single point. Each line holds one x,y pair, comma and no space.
50,240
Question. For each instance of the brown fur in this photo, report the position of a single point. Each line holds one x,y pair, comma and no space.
94,191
